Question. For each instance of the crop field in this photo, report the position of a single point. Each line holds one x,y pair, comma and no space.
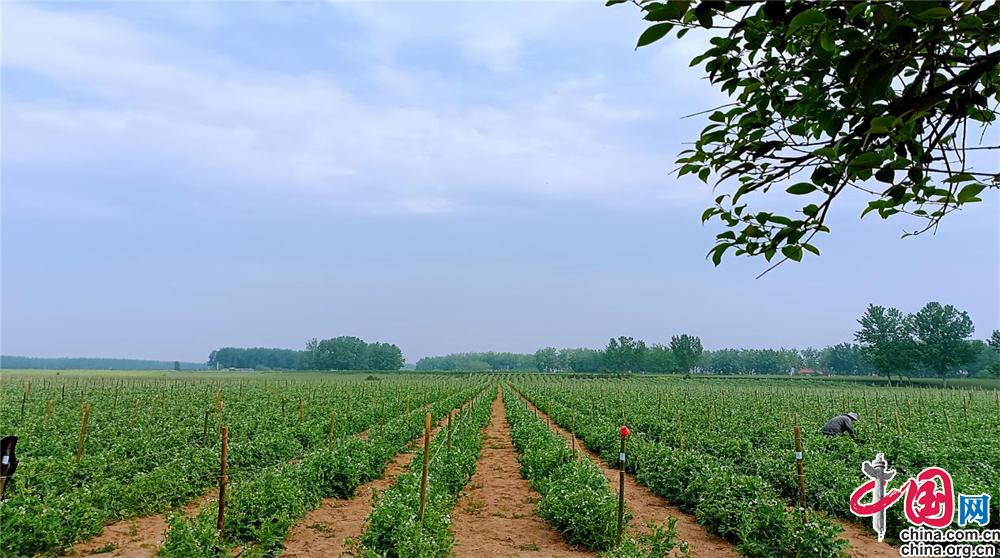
436,465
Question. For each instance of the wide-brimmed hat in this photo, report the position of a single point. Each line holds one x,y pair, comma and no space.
852,416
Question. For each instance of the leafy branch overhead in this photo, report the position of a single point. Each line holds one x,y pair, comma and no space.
887,98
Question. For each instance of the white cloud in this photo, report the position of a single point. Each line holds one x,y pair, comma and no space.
135,95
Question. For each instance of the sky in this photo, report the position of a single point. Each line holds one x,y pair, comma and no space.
178,177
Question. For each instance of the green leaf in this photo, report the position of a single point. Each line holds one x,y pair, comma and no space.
970,22
873,81
613,2
704,14
881,125
826,41
801,188
826,152
717,253
681,5
935,13
970,192
662,12
811,248
809,17
868,159
792,252
654,33
960,177
885,174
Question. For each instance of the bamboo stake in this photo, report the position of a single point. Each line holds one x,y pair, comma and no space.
423,471
223,477
799,466
621,492
83,433
680,429
329,436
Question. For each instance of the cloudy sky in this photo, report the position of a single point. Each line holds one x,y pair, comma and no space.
446,176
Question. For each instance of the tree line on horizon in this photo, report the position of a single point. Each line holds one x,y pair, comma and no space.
339,353
935,341
14,362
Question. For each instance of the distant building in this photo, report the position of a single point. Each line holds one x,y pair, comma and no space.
809,372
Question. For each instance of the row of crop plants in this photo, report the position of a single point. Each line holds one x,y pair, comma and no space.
576,499
751,429
261,508
143,459
395,527
741,507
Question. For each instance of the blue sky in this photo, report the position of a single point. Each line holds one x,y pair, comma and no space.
446,176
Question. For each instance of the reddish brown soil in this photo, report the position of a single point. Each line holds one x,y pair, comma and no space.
864,543
495,514
648,507
140,537
332,529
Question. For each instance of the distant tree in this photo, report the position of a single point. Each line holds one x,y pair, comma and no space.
993,343
477,361
177,366
687,350
724,361
384,356
350,353
547,359
624,354
843,358
582,360
253,357
828,95
659,359
811,358
941,333
885,340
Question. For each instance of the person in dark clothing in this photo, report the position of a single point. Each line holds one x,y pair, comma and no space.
840,425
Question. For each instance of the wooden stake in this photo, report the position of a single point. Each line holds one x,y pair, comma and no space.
83,433
423,471
572,435
621,492
329,436
899,426
48,414
449,432
204,429
680,429
799,466
223,477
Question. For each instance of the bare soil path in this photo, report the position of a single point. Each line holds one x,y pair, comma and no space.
648,507
864,543
332,529
496,512
139,537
